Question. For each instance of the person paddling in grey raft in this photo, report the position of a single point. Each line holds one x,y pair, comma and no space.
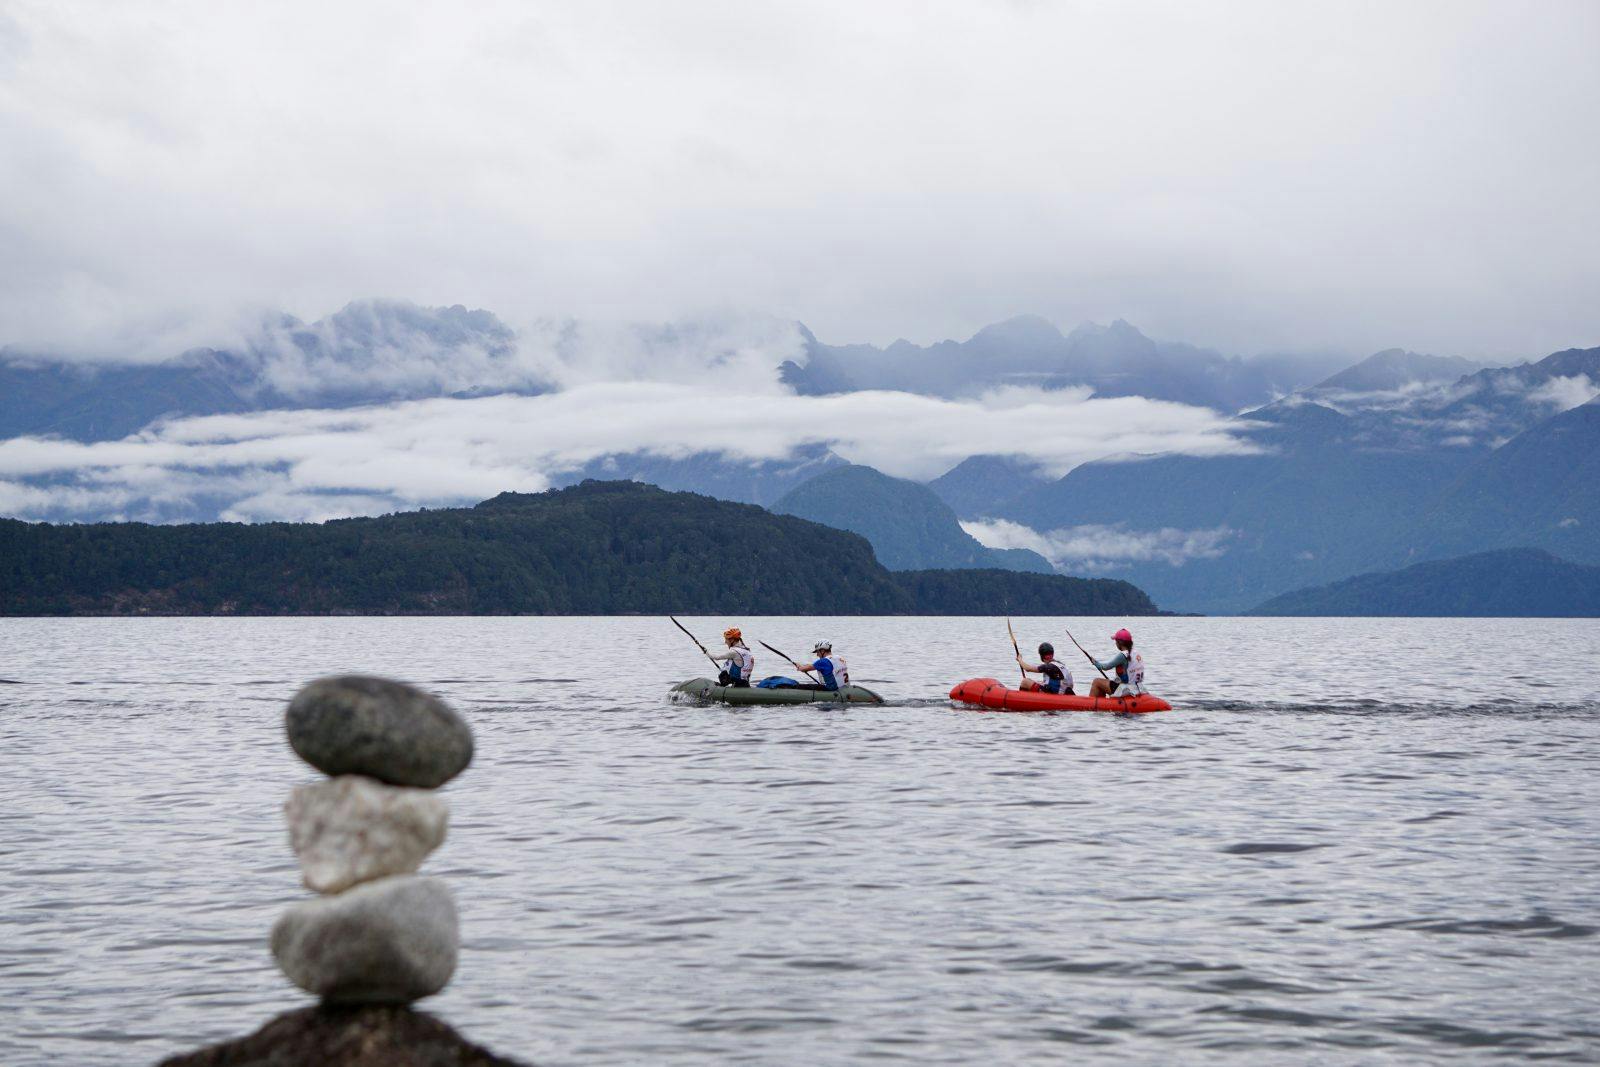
1057,679
1129,667
831,669
741,663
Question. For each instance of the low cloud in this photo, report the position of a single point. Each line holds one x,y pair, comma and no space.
1564,394
380,348
374,351
1104,548
1480,410
314,464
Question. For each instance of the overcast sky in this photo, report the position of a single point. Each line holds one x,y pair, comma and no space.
1244,175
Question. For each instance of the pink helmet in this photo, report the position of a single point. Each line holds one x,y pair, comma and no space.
1122,635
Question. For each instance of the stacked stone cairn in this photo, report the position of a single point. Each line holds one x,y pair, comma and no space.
380,936
379,933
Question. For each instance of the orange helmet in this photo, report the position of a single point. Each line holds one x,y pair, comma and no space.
732,633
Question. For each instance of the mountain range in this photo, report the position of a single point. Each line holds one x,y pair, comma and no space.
1399,459
370,351
1115,360
1378,481
377,351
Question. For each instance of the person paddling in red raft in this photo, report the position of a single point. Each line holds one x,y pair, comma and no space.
1129,667
1057,679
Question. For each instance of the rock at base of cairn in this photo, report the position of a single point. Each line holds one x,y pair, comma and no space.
391,941
351,829
396,733
358,1036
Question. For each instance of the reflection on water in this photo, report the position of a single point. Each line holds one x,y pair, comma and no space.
1353,840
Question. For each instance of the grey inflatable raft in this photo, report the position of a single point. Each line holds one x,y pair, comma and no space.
706,691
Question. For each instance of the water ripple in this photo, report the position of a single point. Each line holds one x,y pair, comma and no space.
1290,868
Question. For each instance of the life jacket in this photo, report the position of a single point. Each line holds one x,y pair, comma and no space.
835,673
1131,674
742,665
1057,679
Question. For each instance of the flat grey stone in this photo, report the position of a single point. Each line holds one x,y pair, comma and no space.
396,733
392,941
350,829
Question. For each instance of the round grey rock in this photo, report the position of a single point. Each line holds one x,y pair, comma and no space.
396,733
391,941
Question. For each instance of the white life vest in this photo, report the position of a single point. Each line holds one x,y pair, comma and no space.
1066,673
741,663
1135,669
841,670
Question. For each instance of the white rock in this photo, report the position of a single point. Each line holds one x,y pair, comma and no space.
386,942
351,829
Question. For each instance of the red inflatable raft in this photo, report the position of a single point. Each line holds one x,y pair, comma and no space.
990,693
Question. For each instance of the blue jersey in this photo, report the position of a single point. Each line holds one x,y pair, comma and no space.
829,672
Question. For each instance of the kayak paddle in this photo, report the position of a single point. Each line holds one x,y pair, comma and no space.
696,641
1086,655
792,663
1014,647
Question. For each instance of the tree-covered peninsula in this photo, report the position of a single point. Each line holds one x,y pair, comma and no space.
597,548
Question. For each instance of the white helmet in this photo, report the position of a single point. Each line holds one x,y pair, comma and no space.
822,646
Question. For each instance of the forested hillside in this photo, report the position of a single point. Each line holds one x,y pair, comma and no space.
1510,583
597,548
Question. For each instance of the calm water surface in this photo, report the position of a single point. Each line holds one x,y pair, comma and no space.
1355,841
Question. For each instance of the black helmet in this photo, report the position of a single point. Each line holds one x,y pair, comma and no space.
1047,649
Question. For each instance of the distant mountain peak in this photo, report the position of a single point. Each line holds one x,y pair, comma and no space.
1396,368
1032,330
909,526
1118,328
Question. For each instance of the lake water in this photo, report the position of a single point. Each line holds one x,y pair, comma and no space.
1353,841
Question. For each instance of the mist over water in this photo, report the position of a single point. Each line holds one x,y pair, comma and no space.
1353,840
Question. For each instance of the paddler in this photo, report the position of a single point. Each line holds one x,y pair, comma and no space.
831,669
1057,679
1129,668
741,663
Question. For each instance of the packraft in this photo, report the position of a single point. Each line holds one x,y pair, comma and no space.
992,695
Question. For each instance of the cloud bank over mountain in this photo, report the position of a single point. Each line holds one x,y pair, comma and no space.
1103,548
1286,175
319,463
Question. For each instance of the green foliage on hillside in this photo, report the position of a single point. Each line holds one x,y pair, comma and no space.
598,548
1541,489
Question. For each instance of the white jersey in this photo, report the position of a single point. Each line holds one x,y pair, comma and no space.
741,662
841,670
1135,683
